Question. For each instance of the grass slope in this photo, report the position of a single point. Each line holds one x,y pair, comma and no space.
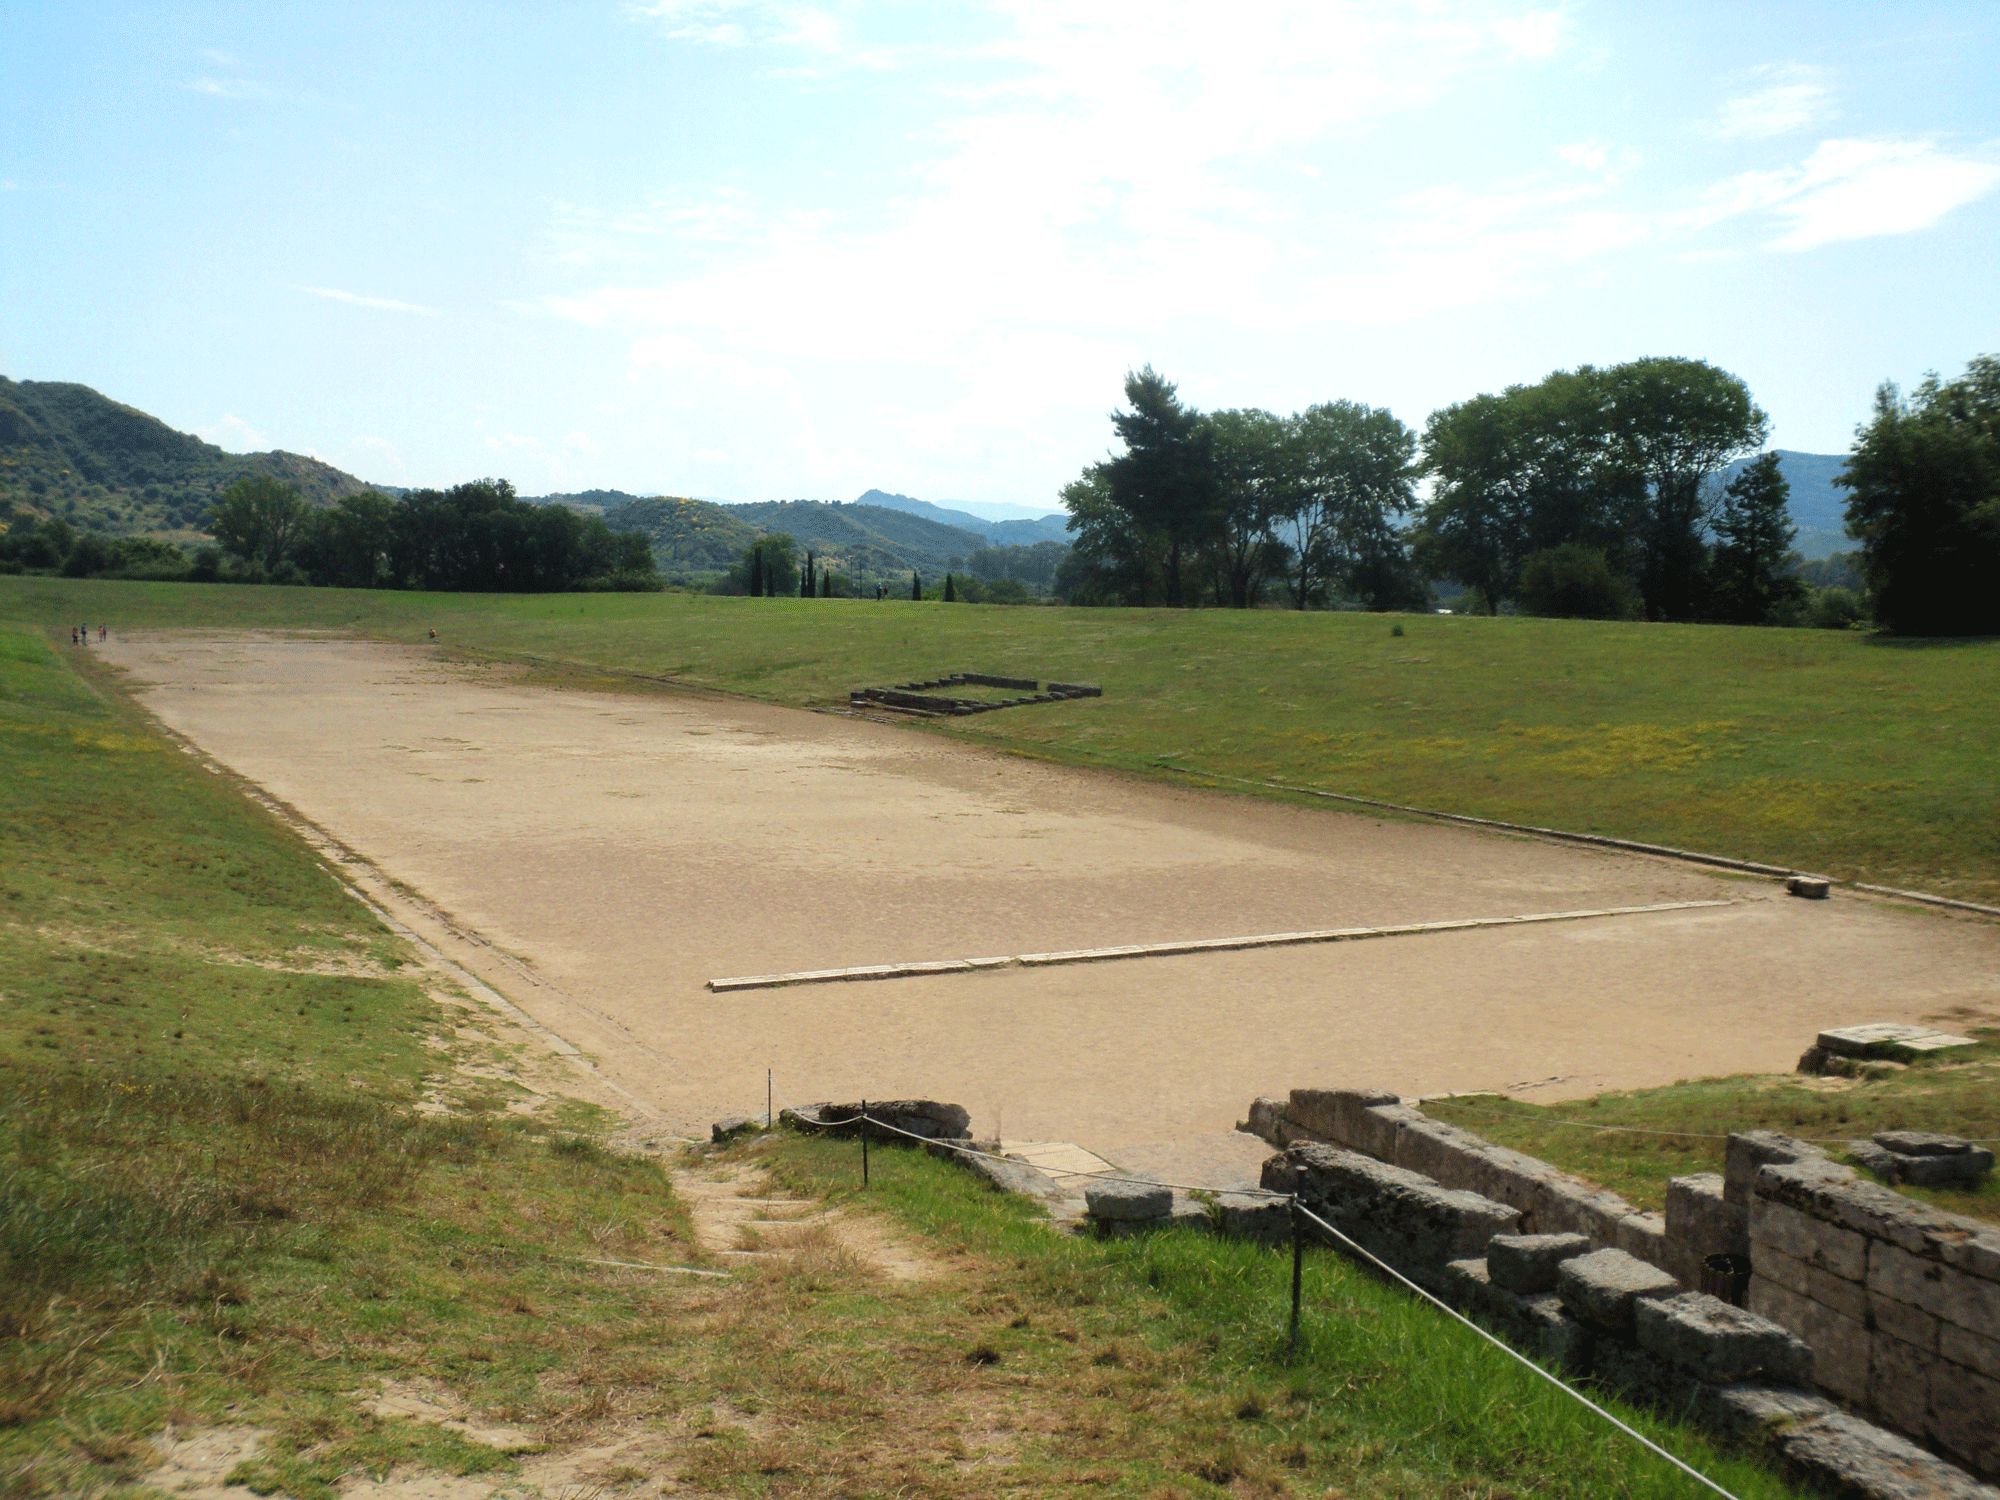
1859,757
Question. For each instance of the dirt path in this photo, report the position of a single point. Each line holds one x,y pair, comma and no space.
595,858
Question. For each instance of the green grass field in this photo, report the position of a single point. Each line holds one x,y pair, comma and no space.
1858,757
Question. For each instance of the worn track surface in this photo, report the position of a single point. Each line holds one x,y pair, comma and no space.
596,857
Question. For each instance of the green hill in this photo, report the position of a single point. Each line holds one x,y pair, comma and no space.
863,541
68,451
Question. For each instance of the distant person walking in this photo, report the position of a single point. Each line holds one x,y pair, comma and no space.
72,635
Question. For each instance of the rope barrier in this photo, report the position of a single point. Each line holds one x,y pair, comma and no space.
866,1119
1515,1355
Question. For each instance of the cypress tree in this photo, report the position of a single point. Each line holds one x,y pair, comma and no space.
916,587
826,583
806,579
950,595
756,574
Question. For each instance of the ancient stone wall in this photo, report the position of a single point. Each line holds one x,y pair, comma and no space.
1899,1302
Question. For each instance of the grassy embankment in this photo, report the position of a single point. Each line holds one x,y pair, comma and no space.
1861,758
1958,1092
219,1204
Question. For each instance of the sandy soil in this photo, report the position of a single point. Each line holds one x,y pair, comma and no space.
596,857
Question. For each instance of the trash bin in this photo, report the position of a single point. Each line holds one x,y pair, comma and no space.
1726,1276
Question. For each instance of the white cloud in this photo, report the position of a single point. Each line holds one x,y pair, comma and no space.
1857,189
229,88
233,435
356,299
1792,98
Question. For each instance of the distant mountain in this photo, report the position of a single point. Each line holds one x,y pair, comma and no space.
1818,509
1053,527
590,502
67,450
862,541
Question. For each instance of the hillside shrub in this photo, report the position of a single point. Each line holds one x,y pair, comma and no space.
1576,582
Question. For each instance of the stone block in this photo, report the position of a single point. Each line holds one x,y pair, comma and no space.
1898,1384
1848,1298
1940,1171
1965,1417
1441,1152
1127,1198
1974,1351
1534,1322
1264,1117
1010,1175
1601,1287
1828,1247
1910,1325
1750,1150
1353,1125
1943,1291
1527,1263
928,1118
1839,1345
1923,1143
1569,1205
1811,887
1312,1110
1375,1129
1252,1216
1510,1177
1644,1236
1291,1133
1756,1411
1701,1222
1891,1039
1407,1219
734,1128
1710,1340
1849,1457
1640,1375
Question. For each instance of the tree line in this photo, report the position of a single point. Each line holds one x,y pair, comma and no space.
472,537
1593,492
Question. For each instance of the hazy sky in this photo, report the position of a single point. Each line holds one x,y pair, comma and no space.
759,251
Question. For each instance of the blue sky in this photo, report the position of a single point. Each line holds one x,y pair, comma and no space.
758,251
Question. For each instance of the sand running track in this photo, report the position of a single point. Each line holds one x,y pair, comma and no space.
597,857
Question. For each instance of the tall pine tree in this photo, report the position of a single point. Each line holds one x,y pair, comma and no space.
1750,577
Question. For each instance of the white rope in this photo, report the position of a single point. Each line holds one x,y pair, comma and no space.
1372,1259
1516,1355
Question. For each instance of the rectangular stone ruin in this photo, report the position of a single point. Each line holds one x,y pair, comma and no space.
1888,1039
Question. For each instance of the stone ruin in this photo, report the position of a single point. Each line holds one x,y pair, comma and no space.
919,699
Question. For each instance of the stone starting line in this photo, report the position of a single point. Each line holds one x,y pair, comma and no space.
1168,950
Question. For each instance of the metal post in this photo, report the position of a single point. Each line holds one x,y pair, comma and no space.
864,1143
1298,1265
769,1118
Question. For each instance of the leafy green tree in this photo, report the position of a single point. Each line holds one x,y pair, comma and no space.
1165,480
1575,582
770,567
258,518
90,556
1923,487
1350,473
347,545
1676,424
1257,483
1620,460
1113,560
1751,581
